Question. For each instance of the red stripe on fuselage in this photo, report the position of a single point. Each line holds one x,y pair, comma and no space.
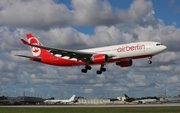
58,61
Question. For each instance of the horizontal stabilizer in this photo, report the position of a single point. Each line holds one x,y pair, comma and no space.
24,56
24,41
31,58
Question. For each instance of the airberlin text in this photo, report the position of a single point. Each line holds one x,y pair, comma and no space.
131,48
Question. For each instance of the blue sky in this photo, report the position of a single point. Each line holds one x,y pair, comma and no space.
167,10
78,24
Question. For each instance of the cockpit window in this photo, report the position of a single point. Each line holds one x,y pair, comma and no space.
158,44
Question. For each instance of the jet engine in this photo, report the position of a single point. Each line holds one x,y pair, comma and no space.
125,63
99,58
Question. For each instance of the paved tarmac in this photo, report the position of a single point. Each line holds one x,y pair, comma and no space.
91,106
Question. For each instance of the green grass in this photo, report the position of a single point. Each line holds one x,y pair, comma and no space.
93,110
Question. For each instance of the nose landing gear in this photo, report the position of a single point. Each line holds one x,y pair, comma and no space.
150,62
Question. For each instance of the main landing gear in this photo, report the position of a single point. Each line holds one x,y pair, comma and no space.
102,69
85,69
149,62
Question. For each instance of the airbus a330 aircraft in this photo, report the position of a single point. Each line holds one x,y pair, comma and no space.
122,55
72,99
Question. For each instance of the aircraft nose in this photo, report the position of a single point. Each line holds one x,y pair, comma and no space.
164,47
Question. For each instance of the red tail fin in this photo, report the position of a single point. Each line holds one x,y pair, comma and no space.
37,52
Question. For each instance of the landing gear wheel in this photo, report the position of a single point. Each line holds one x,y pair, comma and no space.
84,70
149,62
99,72
103,69
88,67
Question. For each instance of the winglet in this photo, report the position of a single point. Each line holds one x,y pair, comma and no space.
24,41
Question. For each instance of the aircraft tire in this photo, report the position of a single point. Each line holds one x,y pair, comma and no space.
99,72
103,69
84,70
88,67
149,62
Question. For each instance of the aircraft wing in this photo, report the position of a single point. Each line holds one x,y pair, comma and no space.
79,55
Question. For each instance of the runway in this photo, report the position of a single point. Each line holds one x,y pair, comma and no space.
91,106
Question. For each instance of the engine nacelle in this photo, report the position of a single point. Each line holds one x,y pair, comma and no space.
100,58
125,63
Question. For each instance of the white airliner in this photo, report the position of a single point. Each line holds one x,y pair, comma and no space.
141,101
144,101
71,100
121,55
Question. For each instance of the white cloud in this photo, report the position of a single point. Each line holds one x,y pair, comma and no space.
44,14
88,90
168,57
139,9
118,89
136,23
32,90
173,79
94,12
136,80
97,85
165,68
33,13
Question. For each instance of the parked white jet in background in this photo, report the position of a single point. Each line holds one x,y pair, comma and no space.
122,54
144,101
71,100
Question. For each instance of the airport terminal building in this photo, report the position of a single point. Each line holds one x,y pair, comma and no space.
93,101
21,100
